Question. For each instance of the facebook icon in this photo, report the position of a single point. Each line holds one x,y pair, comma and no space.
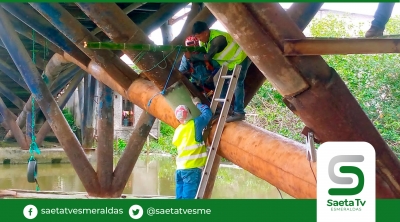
30,211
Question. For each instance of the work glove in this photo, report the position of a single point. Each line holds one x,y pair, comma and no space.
196,100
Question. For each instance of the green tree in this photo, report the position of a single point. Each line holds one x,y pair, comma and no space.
372,79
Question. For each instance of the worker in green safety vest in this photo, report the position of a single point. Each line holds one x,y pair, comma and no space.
221,47
192,151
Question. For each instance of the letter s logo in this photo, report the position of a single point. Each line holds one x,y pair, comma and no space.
346,180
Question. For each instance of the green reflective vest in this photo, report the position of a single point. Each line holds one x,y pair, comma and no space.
191,154
232,54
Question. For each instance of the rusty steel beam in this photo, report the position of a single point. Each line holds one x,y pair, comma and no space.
345,112
13,74
195,9
159,104
71,52
326,88
88,112
26,31
19,135
337,46
204,15
78,34
161,16
85,105
62,101
131,153
167,34
33,19
260,48
39,61
102,75
55,88
126,10
28,127
63,78
3,123
301,14
10,95
271,157
49,106
105,128
120,28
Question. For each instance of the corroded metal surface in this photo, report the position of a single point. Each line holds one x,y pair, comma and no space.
48,105
119,28
71,52
13,74
131,153
78,34
335,46
33,19
271,157
328,98
10,95
161,16
62,79
26,31
204,15
19,136
260,47
62,101
105,127
88,113
334,101
301,14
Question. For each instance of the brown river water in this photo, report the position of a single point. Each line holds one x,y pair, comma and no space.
152,175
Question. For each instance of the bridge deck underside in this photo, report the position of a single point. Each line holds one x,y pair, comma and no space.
276,159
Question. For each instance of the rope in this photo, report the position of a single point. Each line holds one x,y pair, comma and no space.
33,146
279,192
170,73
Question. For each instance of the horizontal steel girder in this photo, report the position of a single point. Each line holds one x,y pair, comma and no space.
344,46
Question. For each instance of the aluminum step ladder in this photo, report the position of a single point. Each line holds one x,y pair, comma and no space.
221,121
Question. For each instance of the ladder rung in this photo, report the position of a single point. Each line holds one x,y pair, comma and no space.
219,100
226,77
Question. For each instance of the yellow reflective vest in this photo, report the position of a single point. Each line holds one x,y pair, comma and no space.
191,154
232,54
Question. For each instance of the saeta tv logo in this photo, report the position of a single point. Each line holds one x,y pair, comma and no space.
346,181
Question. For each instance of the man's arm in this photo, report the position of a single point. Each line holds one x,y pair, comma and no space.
201,121
216,45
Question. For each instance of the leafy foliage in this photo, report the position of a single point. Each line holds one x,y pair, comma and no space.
119,145
372,79
164,142
70,119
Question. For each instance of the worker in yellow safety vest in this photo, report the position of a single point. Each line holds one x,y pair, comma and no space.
192,151
221,47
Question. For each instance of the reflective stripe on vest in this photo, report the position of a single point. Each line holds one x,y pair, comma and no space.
232,54
191,154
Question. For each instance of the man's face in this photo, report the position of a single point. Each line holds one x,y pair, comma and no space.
203,36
